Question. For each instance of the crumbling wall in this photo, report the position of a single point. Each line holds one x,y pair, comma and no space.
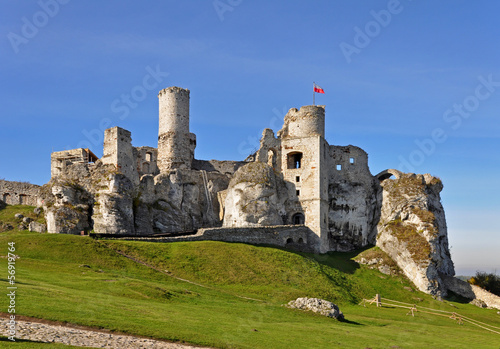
60,160
352,199
118,151
19,193
295,237
270,150
146,160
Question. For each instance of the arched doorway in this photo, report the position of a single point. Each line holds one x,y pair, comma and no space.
298,218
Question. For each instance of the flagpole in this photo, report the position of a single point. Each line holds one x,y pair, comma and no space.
314,102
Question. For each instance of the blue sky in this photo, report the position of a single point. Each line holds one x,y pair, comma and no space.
414,83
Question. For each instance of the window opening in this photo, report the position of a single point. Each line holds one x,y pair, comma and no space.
298,218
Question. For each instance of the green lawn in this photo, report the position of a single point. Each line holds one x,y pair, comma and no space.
84,281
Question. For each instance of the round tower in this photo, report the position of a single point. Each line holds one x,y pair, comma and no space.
308,121
175,143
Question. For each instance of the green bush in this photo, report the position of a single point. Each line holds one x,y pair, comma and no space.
490,282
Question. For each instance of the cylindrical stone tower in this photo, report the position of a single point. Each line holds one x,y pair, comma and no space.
175,143
308,121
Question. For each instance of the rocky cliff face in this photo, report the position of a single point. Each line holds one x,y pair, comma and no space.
102,199
412,230
256,196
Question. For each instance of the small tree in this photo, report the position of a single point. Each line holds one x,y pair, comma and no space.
488,281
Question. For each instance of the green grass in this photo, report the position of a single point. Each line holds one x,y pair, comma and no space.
83,281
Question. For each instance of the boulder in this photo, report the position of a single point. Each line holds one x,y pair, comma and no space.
317,305
37,227
18,216
27,220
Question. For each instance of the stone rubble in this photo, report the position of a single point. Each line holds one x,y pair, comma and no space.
39,332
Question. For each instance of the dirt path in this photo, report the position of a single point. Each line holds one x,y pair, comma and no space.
39,330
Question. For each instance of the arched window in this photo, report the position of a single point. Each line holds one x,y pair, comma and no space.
149,156
271,158
294,160
289,241
301,241
298,218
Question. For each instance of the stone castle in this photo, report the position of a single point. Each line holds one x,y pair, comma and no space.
296,191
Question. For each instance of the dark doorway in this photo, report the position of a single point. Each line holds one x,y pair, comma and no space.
298,218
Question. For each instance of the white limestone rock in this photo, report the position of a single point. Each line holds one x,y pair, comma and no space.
317,305
255,197
412,230
37,227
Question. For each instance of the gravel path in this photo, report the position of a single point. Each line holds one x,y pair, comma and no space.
41,332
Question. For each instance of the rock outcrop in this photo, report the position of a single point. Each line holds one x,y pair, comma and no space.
256,196
412,230
101,198
317,305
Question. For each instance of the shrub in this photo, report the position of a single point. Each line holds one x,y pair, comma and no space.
488,281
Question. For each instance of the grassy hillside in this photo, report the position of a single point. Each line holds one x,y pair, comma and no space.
89,282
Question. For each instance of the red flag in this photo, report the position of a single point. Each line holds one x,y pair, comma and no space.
318,89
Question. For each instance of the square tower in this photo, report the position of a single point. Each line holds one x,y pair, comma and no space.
303,155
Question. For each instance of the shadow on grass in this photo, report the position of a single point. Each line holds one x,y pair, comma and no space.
352,322
342,261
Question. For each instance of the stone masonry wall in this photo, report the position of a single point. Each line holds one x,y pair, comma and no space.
352,199
297,237
19,193
175,143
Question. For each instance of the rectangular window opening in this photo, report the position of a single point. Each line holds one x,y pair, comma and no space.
297,192
297,179
339,167
351,160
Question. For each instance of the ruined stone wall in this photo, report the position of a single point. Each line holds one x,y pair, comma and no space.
352,199
296,237
270,150
308,121
175,143
118,151
146,159
60,160
19,193
227,168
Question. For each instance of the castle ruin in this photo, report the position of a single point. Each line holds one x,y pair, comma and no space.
296,191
